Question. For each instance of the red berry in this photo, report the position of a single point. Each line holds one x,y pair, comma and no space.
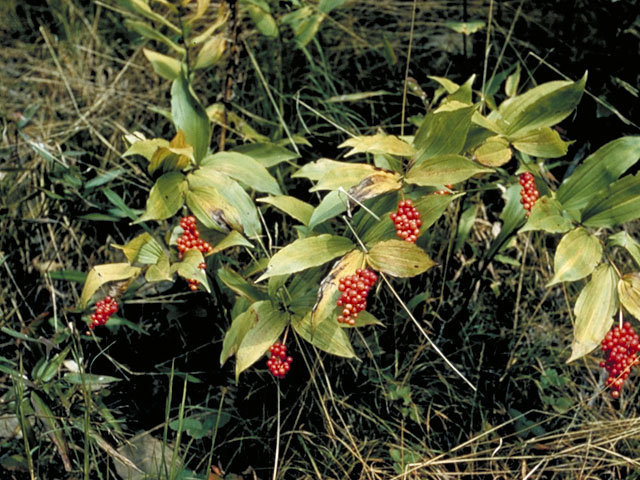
620,347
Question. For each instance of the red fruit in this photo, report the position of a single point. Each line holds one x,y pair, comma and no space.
407,221
279,363
529,193
353,299
620,347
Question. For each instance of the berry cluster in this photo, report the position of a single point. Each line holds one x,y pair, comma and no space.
529,193
407,221
620,347
193,283
355,289
191,237
445,191
279,363
104,309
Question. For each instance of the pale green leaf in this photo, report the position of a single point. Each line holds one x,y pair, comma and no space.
626,241
618,203
160,272
101,274
542,143
547,215
292,206
165,198
542,106
143,249
244,169
256,342
594,309
389,144
211,52
513,80
148,31
494,152
233,239
444,169
265,23
399,258
598,170
236,333
268,154
443,133
145,147
577,255
328,336
629,293
189,268
164,65
466,28
239,285
306,253
189,115
333,204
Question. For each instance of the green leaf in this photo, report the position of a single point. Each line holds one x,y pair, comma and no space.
326,6
443,133
165,66
399,258
236,333
618,203
444,169
148,31
306,253
144,147
328,294
119,203
216,199
542,143
547,215
103,178
513,80
305,26
629,293
271,323
542,106
239,285
268,154
292,206
211,52
101,274
265,23
89,379
160,272
389,144
364,319
332,175
165,198
624,240
243,169
328,336
598,170
233,239
577,255
189,269
594,310
144,249
333,204
189,115
494,152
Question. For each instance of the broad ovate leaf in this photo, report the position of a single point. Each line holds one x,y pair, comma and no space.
594,310
494,152
306,253
399,258
598,170
189,115
292,206
189,268
629,293
542,106
256,342
577,255
328,293
143,146
617,204
244,169
328,336
444,169
377,183
143,249
389,144
236,332
542,143
626,241
165,66
547,215
443,132
165,198
101,274
175,156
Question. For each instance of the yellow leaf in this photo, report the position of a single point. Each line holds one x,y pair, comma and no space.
494,152
629,293
378,143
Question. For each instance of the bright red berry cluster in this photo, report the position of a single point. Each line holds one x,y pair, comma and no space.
104,309
620,347
279,363
355,289
529,193
191,237
407,221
